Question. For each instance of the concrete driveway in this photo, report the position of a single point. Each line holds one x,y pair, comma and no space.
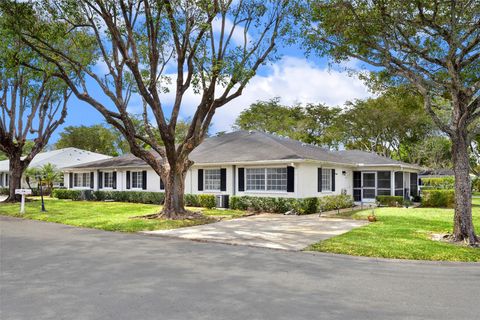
52,271
267,230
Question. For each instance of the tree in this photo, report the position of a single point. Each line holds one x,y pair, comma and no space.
433,152
95,138
270,116
433,45
313,123
32,105
366,125
211,47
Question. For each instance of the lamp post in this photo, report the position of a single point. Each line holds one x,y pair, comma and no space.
39,178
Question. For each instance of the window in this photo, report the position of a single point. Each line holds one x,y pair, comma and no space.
384,183
108,179
277,179
212,179
255,179
266,179
137,180
326,179
81,180
399,183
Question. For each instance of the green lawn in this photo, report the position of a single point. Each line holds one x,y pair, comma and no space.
403,234
112,216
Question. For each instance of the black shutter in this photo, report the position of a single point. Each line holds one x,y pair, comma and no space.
144,180
333,179
114,180
70,180
128,180
223,179
200,179
319,179
162,185
92,180
100,179
290,179
241,179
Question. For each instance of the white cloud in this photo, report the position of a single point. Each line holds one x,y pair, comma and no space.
294,80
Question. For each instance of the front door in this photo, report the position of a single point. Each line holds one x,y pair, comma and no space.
369,186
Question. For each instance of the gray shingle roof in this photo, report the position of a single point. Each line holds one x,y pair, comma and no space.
251,146
61,158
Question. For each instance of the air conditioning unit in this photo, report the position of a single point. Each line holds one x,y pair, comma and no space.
221,201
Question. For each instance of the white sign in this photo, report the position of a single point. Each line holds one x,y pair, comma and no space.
23,191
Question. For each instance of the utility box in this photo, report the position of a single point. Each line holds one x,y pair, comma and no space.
221,201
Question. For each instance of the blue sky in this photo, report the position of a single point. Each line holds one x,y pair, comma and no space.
294,78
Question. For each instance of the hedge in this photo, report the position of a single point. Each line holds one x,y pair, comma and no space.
130,196
390,201
67,194
191,200
438,183
4,191
438,198
282,205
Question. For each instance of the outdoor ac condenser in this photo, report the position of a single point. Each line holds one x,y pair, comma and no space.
221,200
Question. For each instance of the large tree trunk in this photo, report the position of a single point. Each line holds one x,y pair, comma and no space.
16,169
174,205
463,229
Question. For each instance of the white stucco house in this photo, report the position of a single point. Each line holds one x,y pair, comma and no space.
60,158
259,164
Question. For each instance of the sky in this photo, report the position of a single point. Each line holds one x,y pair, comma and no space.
294,78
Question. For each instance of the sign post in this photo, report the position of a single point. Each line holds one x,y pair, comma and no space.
23,193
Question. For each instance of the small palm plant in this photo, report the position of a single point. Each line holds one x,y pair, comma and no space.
50,175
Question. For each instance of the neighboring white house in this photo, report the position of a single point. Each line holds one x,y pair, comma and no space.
259,164
60,158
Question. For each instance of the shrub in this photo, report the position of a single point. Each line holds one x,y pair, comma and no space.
4,191
192,200
476,184
438,198
329,203
438,183
67,194
207,201
130,196
282,205
390,201
309,205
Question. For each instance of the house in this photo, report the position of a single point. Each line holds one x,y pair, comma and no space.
60,158
259,164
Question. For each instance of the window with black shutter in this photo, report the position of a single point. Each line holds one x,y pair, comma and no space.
200,179
319,179
290,179
241,179
144,180
128,180
223,179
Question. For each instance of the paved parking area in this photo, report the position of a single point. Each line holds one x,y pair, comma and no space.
267,230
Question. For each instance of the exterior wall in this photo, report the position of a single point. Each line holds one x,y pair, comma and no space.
305,175
308,175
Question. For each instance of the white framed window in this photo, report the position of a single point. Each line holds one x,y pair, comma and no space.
81,180
211,179
137,180
277,179
326,179
108,179
266,179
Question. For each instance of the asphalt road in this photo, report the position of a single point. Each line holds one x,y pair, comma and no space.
51,271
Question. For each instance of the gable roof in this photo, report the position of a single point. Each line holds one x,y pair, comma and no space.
246,146
61,158
255,146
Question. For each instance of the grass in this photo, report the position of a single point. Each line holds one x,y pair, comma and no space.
111,216
403,234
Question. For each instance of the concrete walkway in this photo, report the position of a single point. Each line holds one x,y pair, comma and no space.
267,230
